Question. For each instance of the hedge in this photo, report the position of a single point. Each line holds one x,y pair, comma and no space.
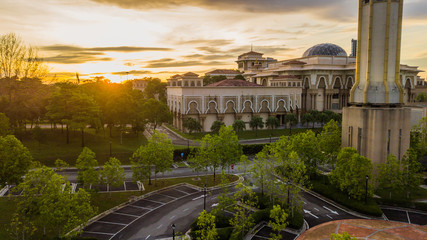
224,233
329,191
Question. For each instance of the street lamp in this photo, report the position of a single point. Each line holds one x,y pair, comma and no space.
270,137
366,191
173,231
110,147
204,198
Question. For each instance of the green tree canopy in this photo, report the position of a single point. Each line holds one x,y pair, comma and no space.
307,118
155,89
272,122
206,224
239,126
291,119
351,172
330,141
212,79
86,164
112,173
156,112
389,174
278,221
216,126
15,160
255,123
192,125
4,125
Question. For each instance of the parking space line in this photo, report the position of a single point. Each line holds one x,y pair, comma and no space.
149,209
155,201
125,214
181,191
186,209
111,234
121,224
160,226
147,237
407,215
172,217
167,196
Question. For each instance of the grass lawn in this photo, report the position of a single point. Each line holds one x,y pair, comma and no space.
54,145
247,134
103,201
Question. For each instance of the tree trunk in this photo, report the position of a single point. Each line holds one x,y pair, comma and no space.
121,136
68,135
110,127
149,179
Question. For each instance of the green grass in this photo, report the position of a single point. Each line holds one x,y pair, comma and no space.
54,145
105,201
247,134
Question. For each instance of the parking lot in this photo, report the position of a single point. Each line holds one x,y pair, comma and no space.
407,216
107,227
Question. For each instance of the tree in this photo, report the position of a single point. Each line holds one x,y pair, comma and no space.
240,76
227,147
292,119
419,138
155,89
422,97
255,123
38,135
206,224
60,165
158,152
47,199
307,148
4,125
84,111
261,170
343,236
316,116
212,79
272,122
15,160
86,164
112,173
412,171
216,126
279,223
18,60
307,118
351,172
330,141
192,125
239,126
389,174
245,200
156,112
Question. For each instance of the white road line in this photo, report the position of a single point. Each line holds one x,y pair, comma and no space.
306,211
198,197
166,196
181,191
147,237
316,209
407,215
304,202
185,210
142,207
160,226
330,210
121,224
125,214
154,201
329,216
99,233
172,217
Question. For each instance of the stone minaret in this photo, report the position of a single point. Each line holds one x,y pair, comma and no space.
376,124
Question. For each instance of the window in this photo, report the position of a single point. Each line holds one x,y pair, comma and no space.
400,144
388,142
350,136
359,140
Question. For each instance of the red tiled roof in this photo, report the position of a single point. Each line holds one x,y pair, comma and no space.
224,71
233,83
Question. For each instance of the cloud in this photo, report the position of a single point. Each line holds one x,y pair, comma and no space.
172,63
76,59
212,42
133,72
70,48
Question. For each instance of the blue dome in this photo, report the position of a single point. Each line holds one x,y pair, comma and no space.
325,49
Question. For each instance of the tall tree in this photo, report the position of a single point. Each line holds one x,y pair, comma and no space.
239,126
316,116
245,200
192,125
4,125
206,224
155,89
18,60
255,123
227,146
307,118
330,141
86,164
156,112
412,171
291,119
216,126
278,222
389,175
272,122
306,146
112,173
351,172
158,152
15,160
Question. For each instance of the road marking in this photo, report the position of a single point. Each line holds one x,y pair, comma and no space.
306,211
316,209
304,202
329,216
407,215
121,224
186,193
125,214
215,204
330,210
185,210
160,226
198,197
172,217
162,203
161,194
99,233
147,237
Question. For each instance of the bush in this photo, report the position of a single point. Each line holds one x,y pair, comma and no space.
297,221
224,233
261,215
222,221
322,187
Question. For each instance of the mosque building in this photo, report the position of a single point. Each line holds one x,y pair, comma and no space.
321,79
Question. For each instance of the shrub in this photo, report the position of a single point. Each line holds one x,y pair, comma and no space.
252,149
261,215
222,221
297,221
224,233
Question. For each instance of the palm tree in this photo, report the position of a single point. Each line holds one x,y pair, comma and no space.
292,119
255,123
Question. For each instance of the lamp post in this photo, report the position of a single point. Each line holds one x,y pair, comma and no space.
270,137
204,198
366,191
110,147
173,231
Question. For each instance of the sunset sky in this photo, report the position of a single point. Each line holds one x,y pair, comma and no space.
162,37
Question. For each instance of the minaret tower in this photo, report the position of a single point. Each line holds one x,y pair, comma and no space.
376,124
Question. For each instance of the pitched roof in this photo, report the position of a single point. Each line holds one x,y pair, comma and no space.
251,53
190,74
233,83
223,71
